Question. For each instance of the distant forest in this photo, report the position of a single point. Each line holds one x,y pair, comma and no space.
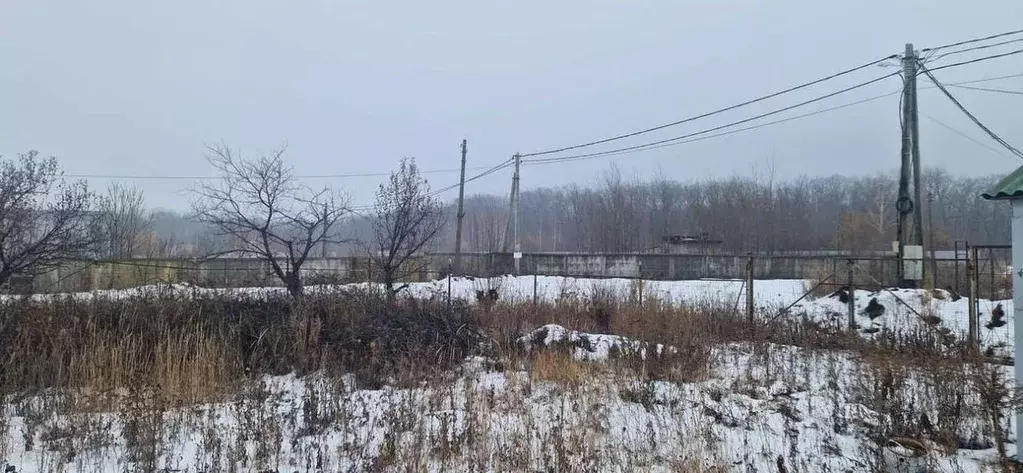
750,213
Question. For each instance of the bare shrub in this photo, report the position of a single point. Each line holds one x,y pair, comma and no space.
379,339
408,217
602,304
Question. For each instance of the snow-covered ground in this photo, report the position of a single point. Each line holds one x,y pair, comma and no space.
909,310
510,288
757,407
906,311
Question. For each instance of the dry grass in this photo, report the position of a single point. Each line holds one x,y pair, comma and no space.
168,352
193,350
165,352
199,350
559,368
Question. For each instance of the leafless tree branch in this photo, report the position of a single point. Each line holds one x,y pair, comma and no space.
44,220
260,206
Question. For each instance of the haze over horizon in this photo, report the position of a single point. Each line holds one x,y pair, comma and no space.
124,88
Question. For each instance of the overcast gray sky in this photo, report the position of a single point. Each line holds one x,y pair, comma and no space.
129,87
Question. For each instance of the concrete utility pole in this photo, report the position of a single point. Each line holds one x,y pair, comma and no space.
507,236
918,236
457,268
910,231
515,213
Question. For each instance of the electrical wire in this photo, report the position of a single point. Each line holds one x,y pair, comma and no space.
986,58
715,112
968,137
710,130
989,79
971,41
975,48
963,109
311,176
497,167
732,132
433,171
784,120
1000,91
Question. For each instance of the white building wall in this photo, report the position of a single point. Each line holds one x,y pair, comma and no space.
1017,295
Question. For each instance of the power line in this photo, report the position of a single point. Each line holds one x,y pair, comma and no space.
732,132
968,114
205,178
498,167
1000,91
986,58
784,120
989,79
710,130
975,48
507,163
489,170
968,137
715,112
971,41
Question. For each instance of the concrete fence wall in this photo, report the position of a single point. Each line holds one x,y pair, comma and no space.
663,266
240,272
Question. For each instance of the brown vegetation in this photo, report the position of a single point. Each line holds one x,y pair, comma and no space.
143,357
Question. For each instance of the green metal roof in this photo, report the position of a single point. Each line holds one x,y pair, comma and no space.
1011,187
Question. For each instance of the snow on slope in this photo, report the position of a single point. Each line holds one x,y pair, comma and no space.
909,310
771,296
758,407
810,408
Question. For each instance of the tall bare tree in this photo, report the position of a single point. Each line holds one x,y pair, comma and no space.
45,220
124,222
407,220
261,206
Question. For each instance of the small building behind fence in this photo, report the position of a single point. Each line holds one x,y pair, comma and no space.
700,244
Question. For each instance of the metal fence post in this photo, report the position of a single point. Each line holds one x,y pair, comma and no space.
450,267
534,289
852,296
991,263
640,282
956,257
749,291
971,274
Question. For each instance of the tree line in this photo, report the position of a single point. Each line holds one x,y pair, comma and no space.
259,209
747,213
